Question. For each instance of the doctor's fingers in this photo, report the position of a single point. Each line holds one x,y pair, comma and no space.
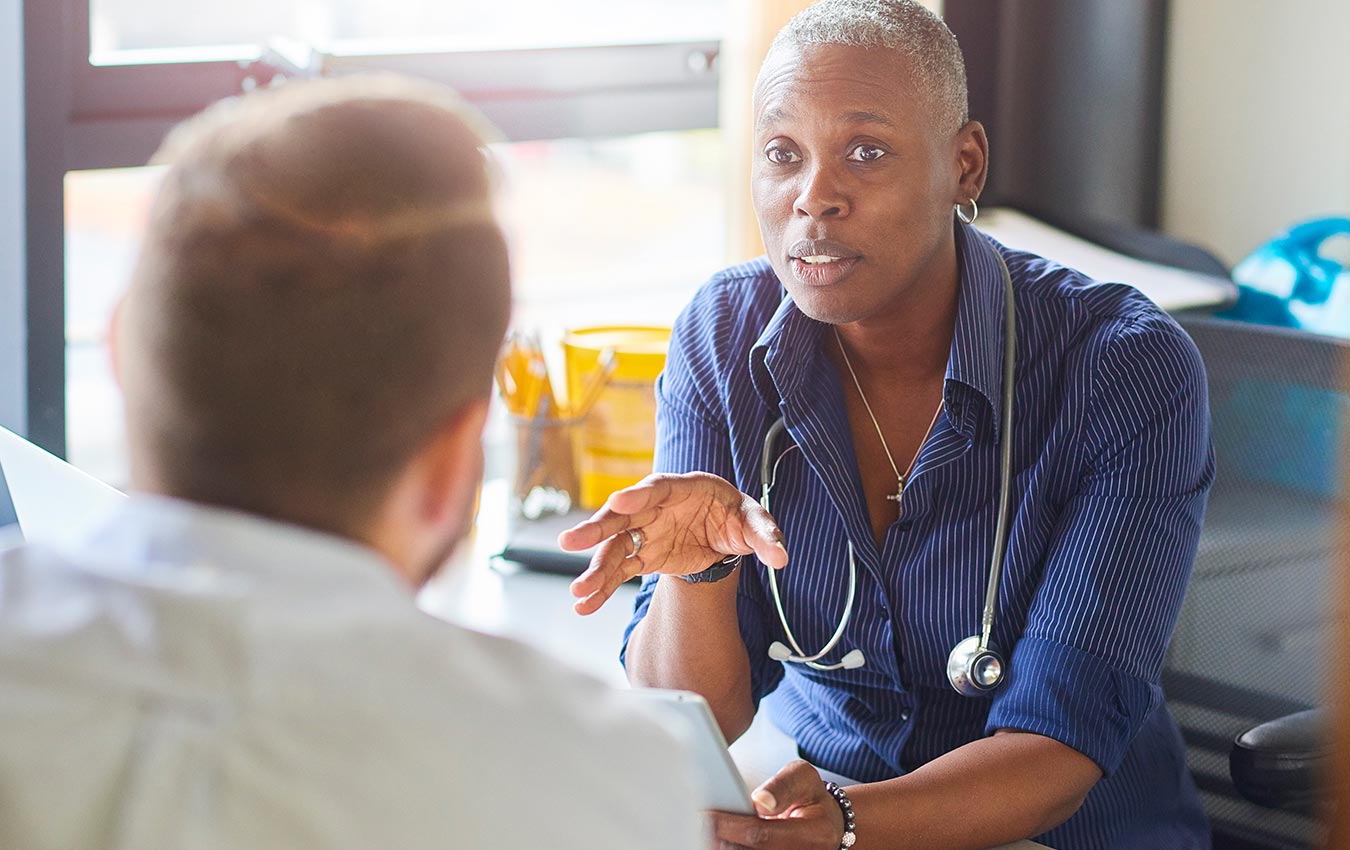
604,523
797,784
687,496
761,534
631,507
754,833
611,566
685,500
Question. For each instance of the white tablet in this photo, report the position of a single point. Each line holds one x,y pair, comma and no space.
723,788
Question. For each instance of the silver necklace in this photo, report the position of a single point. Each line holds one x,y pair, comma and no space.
900,479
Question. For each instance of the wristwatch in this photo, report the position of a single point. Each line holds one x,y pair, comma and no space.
716,572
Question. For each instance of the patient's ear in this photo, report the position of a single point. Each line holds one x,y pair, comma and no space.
430,505
453,468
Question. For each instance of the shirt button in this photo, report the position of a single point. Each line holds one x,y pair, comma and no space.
904,715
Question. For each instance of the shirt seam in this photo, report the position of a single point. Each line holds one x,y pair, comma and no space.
1061,291
1094,399
1094,395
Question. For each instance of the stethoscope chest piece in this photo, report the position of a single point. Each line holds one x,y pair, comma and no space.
975,669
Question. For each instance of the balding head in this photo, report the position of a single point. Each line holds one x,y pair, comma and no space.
323,285
904,26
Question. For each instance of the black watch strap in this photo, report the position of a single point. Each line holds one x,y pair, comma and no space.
716,572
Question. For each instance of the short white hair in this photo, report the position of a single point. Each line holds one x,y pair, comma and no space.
904,26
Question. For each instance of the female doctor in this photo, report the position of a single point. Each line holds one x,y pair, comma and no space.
986,474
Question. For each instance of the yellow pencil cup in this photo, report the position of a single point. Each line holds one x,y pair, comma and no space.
618,436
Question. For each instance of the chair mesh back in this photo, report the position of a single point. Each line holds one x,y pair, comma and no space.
1253,639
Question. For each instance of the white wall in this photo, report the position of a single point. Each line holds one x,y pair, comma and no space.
13,393
1257,119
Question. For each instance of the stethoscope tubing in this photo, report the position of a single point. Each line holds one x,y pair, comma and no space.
1000,552
768,473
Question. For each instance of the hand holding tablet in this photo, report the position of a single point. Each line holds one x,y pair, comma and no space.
724,790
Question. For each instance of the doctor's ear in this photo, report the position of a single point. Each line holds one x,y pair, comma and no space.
972,158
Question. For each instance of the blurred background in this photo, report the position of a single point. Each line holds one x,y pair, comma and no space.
1187,134
1219,122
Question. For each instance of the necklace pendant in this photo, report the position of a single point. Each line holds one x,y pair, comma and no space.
899,492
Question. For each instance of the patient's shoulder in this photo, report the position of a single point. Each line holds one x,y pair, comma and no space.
594,763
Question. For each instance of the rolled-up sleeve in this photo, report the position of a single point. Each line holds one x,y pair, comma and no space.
1086,669
692,435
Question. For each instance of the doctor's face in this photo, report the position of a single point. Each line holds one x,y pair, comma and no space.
854,180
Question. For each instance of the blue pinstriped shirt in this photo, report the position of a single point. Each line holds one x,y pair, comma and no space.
1112,463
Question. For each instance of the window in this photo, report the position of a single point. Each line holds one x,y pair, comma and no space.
537,69
602,231
610,102
121,30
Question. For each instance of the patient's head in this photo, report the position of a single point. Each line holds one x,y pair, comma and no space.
310,330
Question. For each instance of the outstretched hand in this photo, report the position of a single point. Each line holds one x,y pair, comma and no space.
685,523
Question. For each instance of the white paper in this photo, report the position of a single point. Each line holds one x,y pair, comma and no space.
1169,288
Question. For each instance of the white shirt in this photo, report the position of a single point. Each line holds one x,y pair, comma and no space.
193,678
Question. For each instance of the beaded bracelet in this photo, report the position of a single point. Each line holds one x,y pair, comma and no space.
846,806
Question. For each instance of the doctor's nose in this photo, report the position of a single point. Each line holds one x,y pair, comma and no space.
821,197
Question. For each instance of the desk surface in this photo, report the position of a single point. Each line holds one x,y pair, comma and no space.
534,608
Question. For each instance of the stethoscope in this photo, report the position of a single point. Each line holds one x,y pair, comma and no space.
975,665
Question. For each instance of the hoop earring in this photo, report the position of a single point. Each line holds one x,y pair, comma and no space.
974,212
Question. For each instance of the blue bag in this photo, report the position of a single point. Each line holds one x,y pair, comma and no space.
1287,282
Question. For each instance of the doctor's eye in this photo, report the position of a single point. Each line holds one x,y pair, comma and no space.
781,155
866,153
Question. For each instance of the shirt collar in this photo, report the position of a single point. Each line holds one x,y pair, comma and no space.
155,535
976,358
779,357
791,340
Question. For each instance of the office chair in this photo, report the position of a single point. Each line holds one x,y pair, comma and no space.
1283,763
1252,643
